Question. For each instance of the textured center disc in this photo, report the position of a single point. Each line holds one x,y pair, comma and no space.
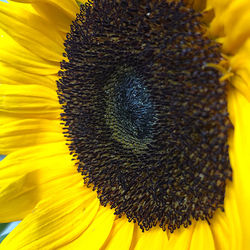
145,116
129,110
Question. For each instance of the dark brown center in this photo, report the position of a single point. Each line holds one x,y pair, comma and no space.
145,116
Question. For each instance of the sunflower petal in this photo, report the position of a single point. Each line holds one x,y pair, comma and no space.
29,100
181,238
18,198
233,218
61,21
31,31
155,238
240,66
32,174
66,12
55,221
221,231
12,53
237,30
69,7
28,132
97,233
239,109
13,76
202,237
120,236
15,199
216,27
234,31
53,156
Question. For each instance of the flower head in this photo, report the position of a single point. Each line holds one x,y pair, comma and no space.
127,146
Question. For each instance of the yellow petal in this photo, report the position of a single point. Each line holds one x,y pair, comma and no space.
29,101
62,20
202,237
28,132
221,232
12,53
97,233
120,236
69,7
155,238
54,159
30,175
237,30
13,76
136,236
240,66
31,31
181,238
226,226
239,109
19,198
53,156
55,221
66,12
216,27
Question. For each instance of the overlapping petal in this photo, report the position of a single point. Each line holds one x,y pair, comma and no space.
202,237
28,132
30,101
15,55
120,236
14,76
155,238
32,174
31,31
96,234
239,108
181,239
55,221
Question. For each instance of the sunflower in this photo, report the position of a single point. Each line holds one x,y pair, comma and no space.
116,118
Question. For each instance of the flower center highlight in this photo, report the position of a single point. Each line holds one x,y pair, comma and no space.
129,110
144,113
